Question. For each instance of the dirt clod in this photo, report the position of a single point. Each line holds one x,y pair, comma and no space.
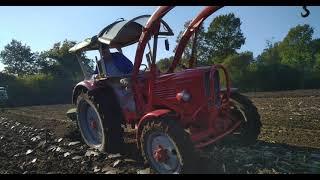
289,142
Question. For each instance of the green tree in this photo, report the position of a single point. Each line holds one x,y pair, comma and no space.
295,49
18,58
61,63
316,67
315,45
202,54
270,54
238,61
164,64
224,37
237,65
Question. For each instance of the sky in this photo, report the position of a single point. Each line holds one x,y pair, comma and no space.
41,26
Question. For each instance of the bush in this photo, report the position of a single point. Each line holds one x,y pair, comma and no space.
40,89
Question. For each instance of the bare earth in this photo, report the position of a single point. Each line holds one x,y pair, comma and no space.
30,141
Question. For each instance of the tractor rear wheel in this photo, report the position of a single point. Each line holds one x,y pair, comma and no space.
99,121
249,130
167,147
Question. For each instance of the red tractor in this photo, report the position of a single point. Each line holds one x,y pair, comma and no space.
174,113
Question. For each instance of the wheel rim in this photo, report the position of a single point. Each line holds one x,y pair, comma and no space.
163,154
90,124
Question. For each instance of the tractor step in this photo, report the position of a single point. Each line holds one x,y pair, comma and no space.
209,139
72,114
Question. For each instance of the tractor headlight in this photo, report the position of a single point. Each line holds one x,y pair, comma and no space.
183,95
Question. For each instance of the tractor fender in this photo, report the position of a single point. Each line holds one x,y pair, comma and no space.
92,88
86,85
149,116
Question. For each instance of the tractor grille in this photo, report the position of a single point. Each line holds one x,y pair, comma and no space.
217,97
208,86
165,92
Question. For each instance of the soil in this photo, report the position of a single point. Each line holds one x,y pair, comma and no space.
42,140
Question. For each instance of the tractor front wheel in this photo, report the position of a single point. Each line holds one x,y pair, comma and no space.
167,147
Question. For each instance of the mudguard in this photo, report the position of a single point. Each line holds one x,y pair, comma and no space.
86,85
149,116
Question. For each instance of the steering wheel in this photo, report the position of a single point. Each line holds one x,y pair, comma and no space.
146,67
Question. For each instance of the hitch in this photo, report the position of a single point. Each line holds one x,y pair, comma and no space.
307,12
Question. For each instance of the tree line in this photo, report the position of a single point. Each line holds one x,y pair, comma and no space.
48,77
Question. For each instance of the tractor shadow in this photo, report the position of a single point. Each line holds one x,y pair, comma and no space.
130,150
231,158
260,158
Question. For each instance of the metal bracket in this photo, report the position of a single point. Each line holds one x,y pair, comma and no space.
307,12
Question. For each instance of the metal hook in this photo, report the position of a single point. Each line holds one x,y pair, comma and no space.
307,12
120,19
